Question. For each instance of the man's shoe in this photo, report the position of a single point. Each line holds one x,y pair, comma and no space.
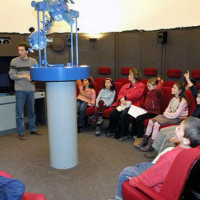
151,155
22,137
35,133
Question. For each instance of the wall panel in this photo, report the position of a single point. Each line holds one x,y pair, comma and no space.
150,51
176,52
129,50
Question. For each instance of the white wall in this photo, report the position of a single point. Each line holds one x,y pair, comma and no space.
107,15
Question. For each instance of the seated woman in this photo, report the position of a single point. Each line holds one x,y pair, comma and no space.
130,93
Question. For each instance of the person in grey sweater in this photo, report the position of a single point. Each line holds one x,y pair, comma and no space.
20,73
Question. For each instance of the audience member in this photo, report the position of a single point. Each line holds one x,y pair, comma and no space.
176,111
151,105
130,93
162,141
153,175
11,189
104,100
86,97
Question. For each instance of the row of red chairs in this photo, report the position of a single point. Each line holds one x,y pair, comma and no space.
151,72
171,73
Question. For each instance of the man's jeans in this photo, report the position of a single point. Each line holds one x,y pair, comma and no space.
11,189
22,98
131,172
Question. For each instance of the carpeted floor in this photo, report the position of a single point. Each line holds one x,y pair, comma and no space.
94,178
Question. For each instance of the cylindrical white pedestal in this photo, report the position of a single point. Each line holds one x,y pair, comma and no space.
62,124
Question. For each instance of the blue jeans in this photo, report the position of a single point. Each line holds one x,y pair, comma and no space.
132,171
22,98
11,189
81,108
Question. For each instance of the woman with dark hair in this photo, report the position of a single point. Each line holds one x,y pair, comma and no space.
86,97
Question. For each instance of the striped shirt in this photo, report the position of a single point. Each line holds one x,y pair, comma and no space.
19,66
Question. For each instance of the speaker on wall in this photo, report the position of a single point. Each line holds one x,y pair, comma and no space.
162,37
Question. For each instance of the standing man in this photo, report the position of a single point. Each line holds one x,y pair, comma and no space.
20,73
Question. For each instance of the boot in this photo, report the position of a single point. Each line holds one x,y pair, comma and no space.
151,155
143,143
148,147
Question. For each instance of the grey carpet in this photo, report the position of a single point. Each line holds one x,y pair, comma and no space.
94,178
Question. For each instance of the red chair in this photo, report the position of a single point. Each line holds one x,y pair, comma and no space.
198,86
100,80
27,196
168,84
174,186
174,73
150,71
104,70
124,71
196,74
144,81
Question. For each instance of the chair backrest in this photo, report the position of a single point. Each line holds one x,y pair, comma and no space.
168,83
192,187
125,70
196,74
192,104
180,170
150,71
104,70
174,73
165,98
118,86
123,80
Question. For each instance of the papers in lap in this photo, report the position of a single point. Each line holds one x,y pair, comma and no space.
136,111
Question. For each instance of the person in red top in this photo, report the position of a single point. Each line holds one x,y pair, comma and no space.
130,93
153,175
151,105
